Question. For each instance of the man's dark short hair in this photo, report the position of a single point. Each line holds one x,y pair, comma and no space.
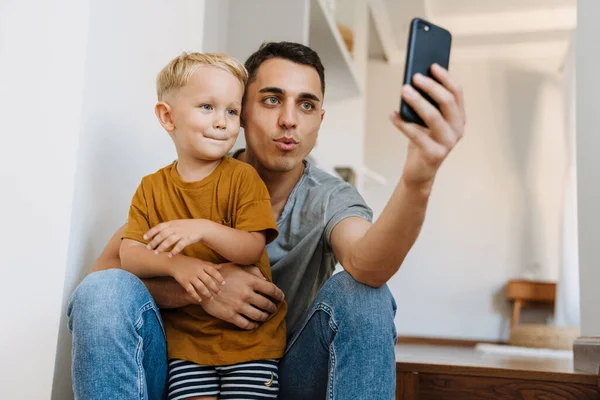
294,52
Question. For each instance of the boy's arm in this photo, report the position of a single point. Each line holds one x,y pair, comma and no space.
167,293
143,263
197,277
237,246
246,293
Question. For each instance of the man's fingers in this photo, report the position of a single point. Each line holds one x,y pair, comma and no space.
253,313
443,77
262,302
448,105
428,113
243,323
420,137
256,272
268,289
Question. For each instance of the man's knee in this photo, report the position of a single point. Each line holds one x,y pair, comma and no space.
364,305
106,296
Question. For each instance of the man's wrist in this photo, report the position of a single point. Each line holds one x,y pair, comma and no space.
419,188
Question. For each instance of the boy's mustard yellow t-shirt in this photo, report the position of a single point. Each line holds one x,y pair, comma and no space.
233,195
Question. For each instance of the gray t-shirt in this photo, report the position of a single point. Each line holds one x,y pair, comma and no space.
301,257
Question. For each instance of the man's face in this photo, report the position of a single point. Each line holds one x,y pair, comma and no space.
282,114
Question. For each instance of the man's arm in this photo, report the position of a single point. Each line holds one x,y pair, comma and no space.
110,258
373,253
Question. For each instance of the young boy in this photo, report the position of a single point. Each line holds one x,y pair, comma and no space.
210,208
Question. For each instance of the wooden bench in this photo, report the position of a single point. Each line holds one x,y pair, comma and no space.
429,372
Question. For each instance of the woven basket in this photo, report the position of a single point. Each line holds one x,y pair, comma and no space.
543,336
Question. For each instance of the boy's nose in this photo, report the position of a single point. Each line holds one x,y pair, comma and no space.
220,124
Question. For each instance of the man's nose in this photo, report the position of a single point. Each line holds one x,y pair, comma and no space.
288,118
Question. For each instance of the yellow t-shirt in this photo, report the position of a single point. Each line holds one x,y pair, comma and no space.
233,195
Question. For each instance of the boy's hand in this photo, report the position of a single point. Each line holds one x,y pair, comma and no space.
200,279
180,233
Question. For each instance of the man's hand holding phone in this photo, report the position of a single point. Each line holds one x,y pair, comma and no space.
429,146
432,111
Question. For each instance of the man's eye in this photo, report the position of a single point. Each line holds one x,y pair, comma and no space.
271,100
206,107
307,106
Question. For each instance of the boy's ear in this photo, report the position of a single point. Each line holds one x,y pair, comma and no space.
163,113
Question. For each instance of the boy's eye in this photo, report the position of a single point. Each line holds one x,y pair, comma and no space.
306,106
232,112
207,107
271,100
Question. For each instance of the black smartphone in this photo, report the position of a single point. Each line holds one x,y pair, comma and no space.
428,44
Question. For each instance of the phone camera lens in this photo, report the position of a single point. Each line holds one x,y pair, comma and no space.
426,27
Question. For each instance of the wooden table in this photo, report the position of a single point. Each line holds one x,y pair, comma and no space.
461,373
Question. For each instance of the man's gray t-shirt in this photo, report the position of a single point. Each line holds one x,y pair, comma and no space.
301,256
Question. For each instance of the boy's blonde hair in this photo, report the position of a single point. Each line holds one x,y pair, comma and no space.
179,71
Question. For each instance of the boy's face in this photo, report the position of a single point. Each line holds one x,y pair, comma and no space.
205,114
282,114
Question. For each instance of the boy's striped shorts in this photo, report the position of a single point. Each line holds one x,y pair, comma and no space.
253,380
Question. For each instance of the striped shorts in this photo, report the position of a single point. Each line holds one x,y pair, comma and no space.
254,380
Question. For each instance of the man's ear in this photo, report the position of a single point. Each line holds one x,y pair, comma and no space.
242,118
322,114
163,113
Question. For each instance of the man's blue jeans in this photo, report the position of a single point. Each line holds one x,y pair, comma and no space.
343,350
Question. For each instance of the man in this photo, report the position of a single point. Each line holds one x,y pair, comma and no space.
341,331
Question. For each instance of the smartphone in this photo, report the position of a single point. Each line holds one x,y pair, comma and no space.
427,44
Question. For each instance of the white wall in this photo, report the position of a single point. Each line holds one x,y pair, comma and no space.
120,139
341,137
42,54
495,209
216,26
588,170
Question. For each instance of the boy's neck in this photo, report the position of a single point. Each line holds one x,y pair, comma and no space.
279,184
194,170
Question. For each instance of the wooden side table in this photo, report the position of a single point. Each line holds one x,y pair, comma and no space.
525,292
